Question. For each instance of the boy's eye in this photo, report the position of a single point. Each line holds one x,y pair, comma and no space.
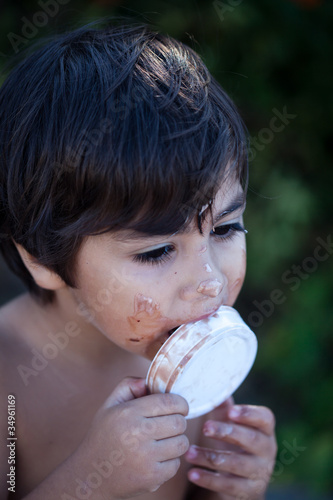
227,231
162,254
157,256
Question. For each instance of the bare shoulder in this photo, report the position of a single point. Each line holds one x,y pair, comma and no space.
14,312
13,322
9,386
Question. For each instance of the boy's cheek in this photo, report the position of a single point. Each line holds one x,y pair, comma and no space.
234,291
236,282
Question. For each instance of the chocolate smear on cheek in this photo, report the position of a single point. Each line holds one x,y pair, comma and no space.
147,316
145,323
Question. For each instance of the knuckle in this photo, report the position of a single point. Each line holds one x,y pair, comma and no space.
180,424
259,487
124,413
169,469
270,419
153,481
236,463
256,476
274,447
231,487
174,468
178,403
170,401
253,437
155,470
174,402
183,445
245,410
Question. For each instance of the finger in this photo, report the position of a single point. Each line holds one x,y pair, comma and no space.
226,404
234,486
238,464
168,449
251,440
166,426
155,405
260,417
221,411
128,389
168,469
168,404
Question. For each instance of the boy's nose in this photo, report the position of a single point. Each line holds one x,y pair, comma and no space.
211,288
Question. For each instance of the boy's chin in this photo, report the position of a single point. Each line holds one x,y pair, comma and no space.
146,349
153,348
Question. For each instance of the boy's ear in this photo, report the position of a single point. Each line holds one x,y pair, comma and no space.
43,277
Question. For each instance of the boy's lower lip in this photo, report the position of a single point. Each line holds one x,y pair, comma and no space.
204,316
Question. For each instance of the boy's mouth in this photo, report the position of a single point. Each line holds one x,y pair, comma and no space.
170,332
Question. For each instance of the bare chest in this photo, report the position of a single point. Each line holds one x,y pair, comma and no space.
54,412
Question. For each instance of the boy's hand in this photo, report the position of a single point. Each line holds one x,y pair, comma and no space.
242,458
135,440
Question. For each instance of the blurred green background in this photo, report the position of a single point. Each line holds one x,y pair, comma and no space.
275,60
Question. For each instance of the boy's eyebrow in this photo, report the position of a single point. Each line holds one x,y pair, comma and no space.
235,204
128,235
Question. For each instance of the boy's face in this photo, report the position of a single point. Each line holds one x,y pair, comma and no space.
135,289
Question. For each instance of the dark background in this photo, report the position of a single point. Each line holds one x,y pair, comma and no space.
272,58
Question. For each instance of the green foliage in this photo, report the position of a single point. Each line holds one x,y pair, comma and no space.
267,55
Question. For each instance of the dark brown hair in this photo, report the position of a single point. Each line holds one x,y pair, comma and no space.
107,128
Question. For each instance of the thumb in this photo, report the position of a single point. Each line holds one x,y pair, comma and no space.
129,388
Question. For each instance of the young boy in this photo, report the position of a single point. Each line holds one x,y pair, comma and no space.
122,190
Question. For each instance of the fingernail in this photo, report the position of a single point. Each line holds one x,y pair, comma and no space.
194,475
192,452
234,412
208,430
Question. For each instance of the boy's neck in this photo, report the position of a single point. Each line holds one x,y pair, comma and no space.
86,344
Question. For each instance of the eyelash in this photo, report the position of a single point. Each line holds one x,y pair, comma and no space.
162,254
